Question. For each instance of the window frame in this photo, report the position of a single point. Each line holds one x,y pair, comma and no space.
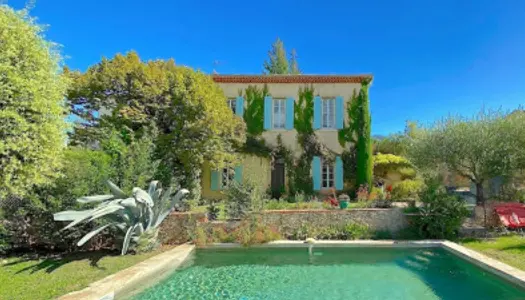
327,174
328,110
280,104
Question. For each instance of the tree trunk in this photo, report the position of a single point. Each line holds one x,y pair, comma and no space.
480,200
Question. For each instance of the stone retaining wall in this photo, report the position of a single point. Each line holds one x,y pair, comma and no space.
377,219
179,228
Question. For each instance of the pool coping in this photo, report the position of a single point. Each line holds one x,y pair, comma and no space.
128,279
154,268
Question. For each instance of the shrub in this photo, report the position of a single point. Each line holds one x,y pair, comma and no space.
249,232
406,189
213,211
4,240
242,198
442,214
350,231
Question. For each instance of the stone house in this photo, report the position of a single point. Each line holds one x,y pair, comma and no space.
332,94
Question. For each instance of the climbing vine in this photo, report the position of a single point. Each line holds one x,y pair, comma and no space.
306,138
254,113
304,110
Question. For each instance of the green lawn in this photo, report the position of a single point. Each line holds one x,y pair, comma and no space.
33,278
508,249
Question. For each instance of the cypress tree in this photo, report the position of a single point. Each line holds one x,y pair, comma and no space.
277,63
365,163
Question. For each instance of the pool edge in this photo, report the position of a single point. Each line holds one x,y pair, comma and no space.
125,280
489,264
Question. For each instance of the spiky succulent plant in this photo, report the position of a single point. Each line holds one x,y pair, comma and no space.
135,215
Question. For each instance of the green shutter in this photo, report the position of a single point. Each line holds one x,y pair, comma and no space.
316,173
215,180
238,174
338,173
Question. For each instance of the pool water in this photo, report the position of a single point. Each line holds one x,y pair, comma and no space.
330,273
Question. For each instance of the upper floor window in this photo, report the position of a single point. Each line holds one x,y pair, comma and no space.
232,104
279,114
327,173
228,174
328,113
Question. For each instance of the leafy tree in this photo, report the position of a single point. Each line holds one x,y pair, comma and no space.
490,144
185,107
32,115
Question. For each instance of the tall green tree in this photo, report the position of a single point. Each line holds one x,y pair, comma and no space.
186,108
363,127
32,114
278,63
480,148
294,65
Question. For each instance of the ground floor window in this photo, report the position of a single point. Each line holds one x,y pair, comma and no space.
232,104
228,175
327,179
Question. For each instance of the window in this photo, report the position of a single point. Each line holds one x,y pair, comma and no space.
327,179
328,111
232,104
228,175
279,114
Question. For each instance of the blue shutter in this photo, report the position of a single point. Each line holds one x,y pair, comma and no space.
267,112
339,112
239,106
215,180
238,174
317,112
316,173
338,173
289,113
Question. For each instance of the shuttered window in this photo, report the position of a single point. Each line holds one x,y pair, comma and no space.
279,113
328,113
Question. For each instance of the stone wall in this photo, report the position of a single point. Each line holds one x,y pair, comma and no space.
179,228
377,219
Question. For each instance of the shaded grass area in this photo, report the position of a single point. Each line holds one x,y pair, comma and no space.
30,277
508,249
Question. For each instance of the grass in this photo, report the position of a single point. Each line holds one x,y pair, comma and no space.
508,249
47,278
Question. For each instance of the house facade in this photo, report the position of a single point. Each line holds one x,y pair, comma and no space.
332,95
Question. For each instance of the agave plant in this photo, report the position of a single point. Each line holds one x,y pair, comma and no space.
136,215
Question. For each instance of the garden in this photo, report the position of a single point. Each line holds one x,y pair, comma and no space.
85,194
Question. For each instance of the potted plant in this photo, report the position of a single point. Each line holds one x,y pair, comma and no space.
343,200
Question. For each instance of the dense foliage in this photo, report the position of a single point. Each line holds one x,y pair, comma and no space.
29,219
243,198
186,108
136,215
32,114
479,148
254,112
442,214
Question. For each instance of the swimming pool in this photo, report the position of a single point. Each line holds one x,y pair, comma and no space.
330,273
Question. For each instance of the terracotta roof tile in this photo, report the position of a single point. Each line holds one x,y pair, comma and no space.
290,78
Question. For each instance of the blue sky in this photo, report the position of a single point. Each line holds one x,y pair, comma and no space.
429,58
